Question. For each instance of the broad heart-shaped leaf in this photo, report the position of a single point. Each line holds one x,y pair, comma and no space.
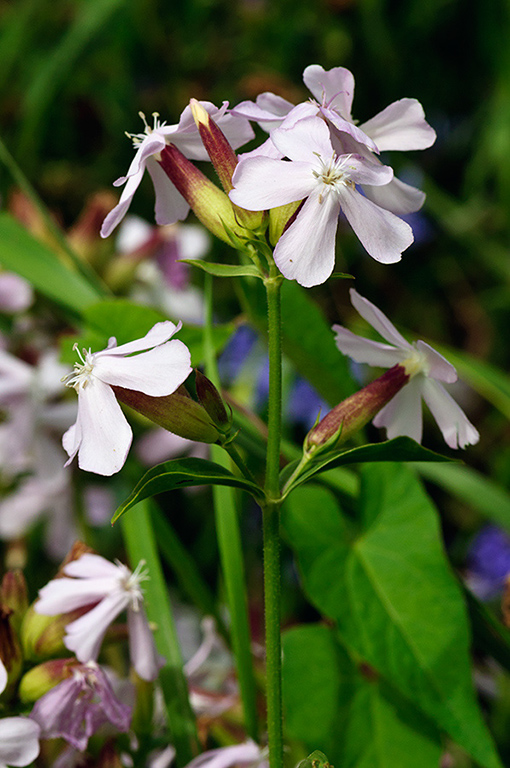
20,252
349,713
307,339
182,473
225,270
392,593
398,449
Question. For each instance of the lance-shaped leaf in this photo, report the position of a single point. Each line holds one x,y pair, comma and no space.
398,449
183,473
391,591
225,270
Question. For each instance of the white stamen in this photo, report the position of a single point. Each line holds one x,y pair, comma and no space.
83,372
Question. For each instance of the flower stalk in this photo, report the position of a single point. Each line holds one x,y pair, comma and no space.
271,527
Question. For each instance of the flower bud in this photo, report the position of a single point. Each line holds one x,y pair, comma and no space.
41,679
223,158
352,414
178,413
14,595
280,219
210,399
210,205
10,651
43,636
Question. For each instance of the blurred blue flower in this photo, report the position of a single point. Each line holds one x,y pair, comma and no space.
488,561
304,404
235,353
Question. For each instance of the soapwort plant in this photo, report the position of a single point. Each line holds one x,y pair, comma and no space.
278,208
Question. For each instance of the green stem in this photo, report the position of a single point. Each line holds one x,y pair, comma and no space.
271,528
230,549
140,543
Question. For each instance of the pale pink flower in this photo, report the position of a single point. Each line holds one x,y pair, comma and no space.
110,588
400,126
247,754
306,250
16,293
19,736
426,367
78,706
170,205
101,435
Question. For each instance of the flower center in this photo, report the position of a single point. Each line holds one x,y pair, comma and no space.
83,371
137,138
333,174
131,580
416,363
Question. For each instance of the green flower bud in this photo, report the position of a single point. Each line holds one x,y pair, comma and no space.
178,413
41,679
210,399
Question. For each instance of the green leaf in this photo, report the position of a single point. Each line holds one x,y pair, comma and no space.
478,492
224,270
398,449
392,593
183,473
37,263
356,718
307,339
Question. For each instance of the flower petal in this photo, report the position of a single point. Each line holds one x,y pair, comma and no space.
363,350
85,635
304,139
91,566
144,657
268,110
378,320
439,367
261,183
158,334
334,87
306,250
452,421
397,197
157,372
154,143
19,740
402,415
400,126
383,235
169,206
102,429
64,595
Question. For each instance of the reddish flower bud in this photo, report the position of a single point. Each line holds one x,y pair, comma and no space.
14,595
211,206
352,414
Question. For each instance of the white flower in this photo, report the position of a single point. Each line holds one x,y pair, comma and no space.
426,367
101,435
111,588
170,205
306,250
19,736
401,126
